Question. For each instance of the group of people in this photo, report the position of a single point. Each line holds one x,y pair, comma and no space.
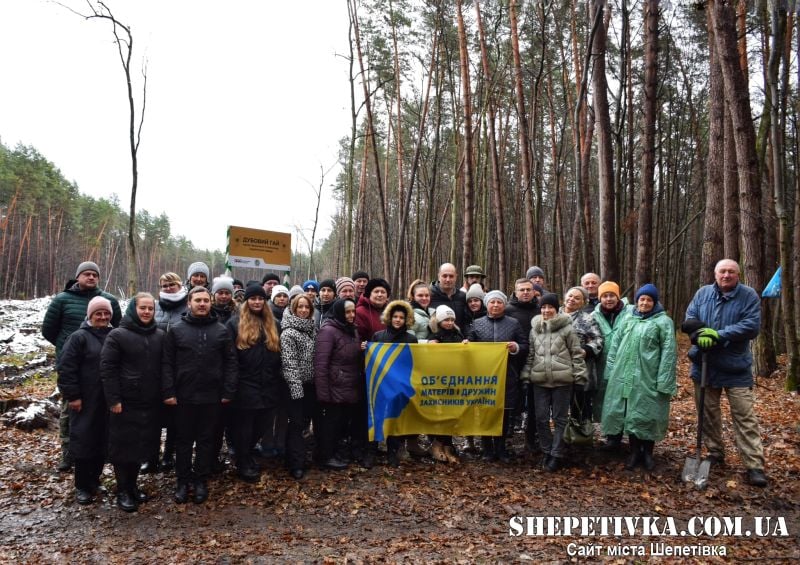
261,367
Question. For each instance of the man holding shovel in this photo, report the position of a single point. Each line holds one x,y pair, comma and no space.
731,316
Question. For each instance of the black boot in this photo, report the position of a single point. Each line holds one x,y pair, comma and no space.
182,493
636,453
487,443
500,452
647,455
125,481
200,492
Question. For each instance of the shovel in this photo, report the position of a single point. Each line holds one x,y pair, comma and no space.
695,470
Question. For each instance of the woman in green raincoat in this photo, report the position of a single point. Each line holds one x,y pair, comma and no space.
640,372
610,314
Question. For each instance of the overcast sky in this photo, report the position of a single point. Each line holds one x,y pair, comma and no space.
245,101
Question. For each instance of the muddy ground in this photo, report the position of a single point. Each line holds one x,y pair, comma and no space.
419,512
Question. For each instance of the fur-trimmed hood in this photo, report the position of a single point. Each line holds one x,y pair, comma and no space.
394,305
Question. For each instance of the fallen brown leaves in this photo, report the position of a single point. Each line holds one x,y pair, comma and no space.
419,512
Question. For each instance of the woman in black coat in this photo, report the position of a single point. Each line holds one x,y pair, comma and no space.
79,382
337,379
258,351
130,366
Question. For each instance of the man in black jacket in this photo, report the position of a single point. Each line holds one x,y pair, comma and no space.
444,291
199,374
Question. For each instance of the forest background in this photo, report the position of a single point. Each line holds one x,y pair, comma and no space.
642,140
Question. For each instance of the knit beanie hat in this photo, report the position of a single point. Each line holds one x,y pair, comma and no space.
222,283
87,266
444,312
270,277
255,290
608,286
343,282
475,291
328,283
97,303
294,291
309,284
375,283
198,267
550,298
493,294
534,272
280,289
360,275
650,290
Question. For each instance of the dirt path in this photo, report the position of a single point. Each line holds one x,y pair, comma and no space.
419,512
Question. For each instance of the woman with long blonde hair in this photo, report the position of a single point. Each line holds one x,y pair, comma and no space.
258,350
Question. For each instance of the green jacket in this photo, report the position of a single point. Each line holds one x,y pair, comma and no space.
640,373
67,311
555,357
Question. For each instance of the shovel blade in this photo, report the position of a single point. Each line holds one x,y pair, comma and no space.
696,472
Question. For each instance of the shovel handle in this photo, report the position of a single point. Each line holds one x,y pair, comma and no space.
701,404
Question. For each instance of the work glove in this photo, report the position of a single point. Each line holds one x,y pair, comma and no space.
707,338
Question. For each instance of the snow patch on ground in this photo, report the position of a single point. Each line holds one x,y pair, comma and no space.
21,326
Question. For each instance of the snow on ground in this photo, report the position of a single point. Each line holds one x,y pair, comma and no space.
21,326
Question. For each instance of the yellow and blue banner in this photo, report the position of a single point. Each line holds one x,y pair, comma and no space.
436,388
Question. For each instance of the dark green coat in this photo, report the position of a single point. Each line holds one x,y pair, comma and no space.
67,311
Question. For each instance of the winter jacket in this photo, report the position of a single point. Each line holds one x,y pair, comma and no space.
470,317
67,311
736,316
337,363
199,362
322,312
226,312
130,367
523,312
503,329
79,378
297,352
640,373
169,313
277,313
458,302
368,318
448,336
555,357
422,317
391,335
260,382
592,341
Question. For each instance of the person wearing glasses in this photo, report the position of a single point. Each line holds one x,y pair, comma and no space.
170,306
524,307
64,316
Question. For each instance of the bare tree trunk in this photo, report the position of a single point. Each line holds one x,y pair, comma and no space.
124,40
502,265
644,248
469,181
713,244
609,266
777,128
524,140
737,97
384,220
